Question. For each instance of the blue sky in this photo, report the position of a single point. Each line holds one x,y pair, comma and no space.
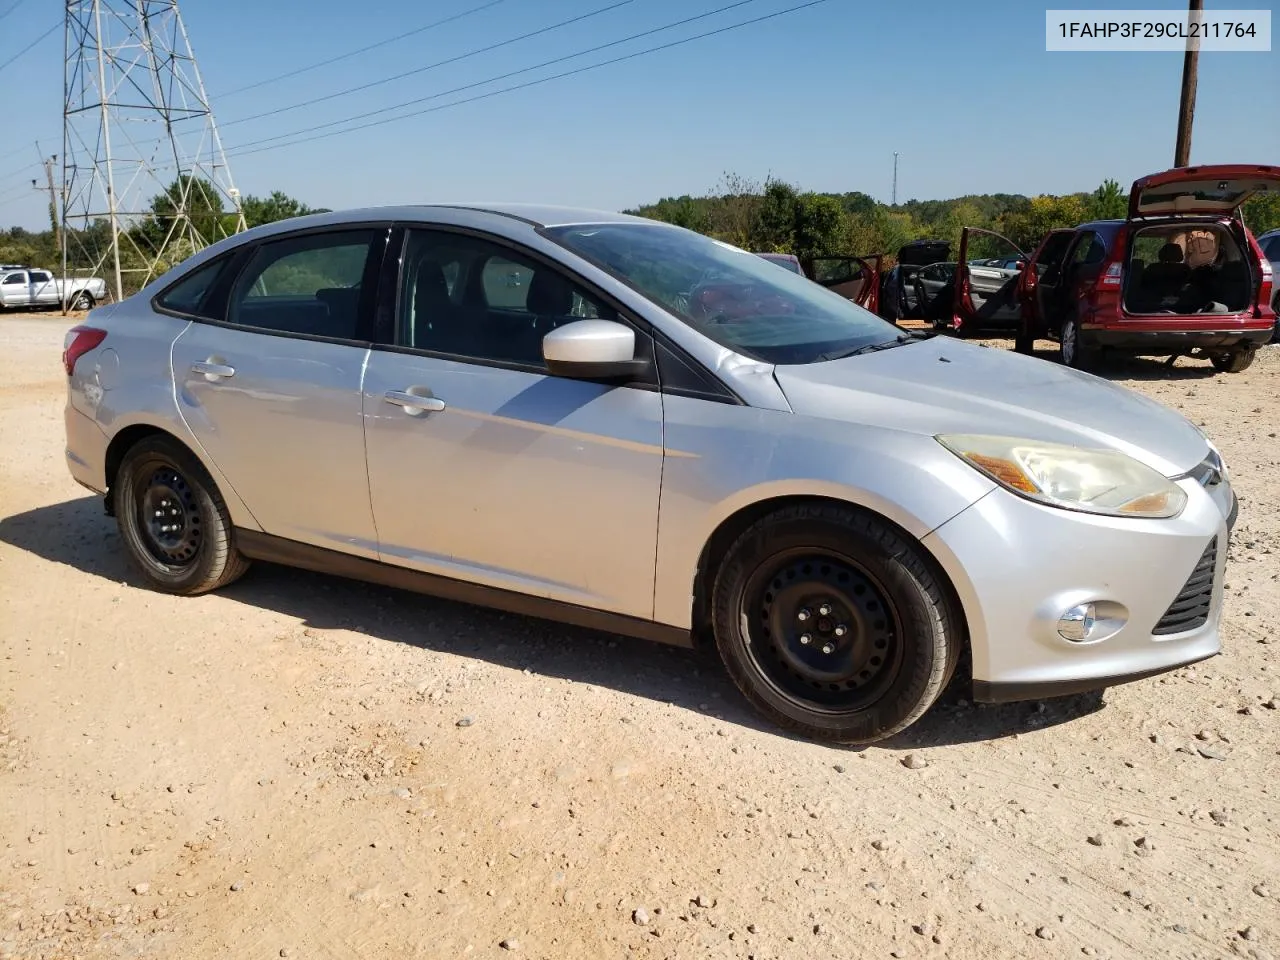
822,97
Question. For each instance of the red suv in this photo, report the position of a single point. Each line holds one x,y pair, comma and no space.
1182,275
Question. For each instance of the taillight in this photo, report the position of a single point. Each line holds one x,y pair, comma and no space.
1268,283
1110,277
78,342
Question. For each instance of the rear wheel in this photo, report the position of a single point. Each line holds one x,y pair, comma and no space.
1233,362
833,625
82,301
1073,350
173,520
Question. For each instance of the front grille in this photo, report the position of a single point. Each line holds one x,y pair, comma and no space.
1190,609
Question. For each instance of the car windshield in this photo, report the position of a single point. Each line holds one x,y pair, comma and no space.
731,296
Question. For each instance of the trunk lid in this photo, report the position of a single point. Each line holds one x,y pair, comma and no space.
1213,189
921,253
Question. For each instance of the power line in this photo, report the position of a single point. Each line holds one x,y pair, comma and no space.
241,151
503,76
432,66
12,7
29,45
354,53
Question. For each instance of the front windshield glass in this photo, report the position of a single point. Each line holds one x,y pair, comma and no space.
733,297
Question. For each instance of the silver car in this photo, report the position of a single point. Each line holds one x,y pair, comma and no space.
657,434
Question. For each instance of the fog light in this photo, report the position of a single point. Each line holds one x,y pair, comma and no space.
1078,622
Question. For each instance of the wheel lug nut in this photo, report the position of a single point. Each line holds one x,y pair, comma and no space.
828,648
840,630
806,638
804,615
824,610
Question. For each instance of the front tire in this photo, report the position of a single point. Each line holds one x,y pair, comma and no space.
173,521
1236,361
1072,349
833,625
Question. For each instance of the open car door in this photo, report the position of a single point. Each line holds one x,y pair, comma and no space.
985,296
854,278
1040,287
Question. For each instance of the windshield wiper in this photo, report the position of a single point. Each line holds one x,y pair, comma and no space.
872,347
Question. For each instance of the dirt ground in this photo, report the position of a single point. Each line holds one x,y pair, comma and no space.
306,767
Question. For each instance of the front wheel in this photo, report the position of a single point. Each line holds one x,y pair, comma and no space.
832,624
1234,362
173,521
1073,351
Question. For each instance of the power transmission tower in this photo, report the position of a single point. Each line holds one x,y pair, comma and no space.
145,179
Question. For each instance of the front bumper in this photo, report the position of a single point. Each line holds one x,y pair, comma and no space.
1018,566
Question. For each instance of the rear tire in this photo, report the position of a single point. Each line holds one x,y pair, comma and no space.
173,521
82,301
1234,362
1073,351
833,625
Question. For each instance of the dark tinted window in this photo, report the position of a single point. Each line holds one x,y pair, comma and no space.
41,276
472,298
187,294
16,278
310,285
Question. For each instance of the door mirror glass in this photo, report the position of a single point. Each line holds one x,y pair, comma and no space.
592,349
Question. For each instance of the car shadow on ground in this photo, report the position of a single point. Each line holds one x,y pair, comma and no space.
78,534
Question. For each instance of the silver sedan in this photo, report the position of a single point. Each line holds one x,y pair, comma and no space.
622,424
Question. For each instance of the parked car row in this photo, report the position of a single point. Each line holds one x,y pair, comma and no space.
657,434
26,287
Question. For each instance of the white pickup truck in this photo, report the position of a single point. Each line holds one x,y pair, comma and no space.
27,287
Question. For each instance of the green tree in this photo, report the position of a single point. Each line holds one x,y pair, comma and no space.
1107,202
274,207
1262,212
1027,227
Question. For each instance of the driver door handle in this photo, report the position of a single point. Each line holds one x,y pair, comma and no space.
213,371
414,404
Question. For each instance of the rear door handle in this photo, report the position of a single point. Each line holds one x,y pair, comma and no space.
213,371
413,404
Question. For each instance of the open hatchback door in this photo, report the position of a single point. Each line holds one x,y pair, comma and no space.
986,284
1219,189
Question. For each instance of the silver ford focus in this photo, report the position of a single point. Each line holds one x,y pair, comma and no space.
617,423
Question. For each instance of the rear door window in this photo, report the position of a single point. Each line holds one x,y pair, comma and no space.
311,285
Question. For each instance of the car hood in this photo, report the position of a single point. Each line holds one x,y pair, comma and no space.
941,385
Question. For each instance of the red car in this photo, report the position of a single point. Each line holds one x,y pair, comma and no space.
1180,276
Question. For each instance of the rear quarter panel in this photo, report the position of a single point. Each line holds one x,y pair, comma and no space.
128,382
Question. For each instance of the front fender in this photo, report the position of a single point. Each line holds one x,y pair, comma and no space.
723,459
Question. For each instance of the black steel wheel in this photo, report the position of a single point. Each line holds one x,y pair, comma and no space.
821,630
834,624
173,520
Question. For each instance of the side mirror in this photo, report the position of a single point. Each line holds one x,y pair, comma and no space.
592,350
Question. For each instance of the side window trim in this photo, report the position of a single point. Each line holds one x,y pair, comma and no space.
222,261
217,299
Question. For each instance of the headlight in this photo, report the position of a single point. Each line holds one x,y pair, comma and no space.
1094,481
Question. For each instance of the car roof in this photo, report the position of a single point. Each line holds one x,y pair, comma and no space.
540,215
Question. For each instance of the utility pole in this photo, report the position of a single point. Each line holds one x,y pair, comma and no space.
55,209
895,178
1187,102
